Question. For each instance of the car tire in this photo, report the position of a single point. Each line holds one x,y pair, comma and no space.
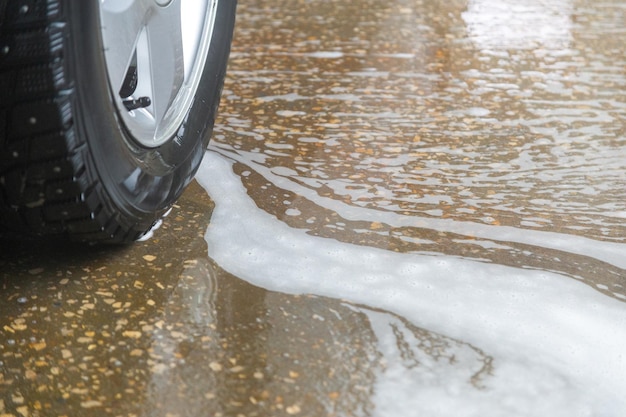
76,158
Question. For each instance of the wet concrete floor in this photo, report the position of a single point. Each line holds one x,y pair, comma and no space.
412,208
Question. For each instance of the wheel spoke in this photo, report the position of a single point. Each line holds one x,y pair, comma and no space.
123,21
165,45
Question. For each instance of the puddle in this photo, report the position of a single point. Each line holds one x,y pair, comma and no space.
542,331
455,168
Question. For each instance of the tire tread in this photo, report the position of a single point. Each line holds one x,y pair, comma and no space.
44,186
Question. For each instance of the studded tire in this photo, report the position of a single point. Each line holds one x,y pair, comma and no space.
70,166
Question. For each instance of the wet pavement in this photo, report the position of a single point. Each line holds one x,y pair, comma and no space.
411,209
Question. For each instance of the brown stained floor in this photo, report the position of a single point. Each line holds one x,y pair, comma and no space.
157,329
420,108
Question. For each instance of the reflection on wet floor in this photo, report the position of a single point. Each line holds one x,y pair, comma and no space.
463,136
77,322
420,209
252,348
523,130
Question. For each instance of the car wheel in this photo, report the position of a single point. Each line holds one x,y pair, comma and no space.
106,108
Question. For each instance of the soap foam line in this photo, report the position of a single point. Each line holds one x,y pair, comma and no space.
557,327
609,252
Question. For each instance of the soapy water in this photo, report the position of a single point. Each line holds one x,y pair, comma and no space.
554,345
455,167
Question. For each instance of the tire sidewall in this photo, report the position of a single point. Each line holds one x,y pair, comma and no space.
140,183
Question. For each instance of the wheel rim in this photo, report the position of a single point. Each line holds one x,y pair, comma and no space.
155,51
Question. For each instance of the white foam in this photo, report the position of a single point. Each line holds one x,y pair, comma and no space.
557,345
325,54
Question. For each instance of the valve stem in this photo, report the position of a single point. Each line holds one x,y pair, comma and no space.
139,103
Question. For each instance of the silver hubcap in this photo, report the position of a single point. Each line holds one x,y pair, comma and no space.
155,51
